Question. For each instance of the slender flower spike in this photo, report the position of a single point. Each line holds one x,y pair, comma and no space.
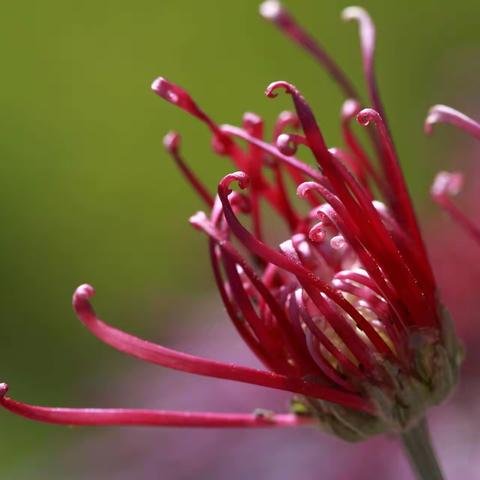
343,312
449,184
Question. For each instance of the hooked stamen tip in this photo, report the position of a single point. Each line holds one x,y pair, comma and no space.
271,89
240,177
367,115
84,291
338,242
317,233
304,188
435,116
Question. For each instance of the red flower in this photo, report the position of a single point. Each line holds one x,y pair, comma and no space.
345,312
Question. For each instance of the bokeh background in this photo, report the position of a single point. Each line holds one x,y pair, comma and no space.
88,195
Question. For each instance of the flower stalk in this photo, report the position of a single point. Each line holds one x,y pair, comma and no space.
418,447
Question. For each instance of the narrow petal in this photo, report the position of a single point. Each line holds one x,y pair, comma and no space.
402,204
444,114
367,45
277,258
147,418
166,357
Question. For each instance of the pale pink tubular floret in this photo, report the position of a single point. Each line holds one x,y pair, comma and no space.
159,355
445,114
445,186
147,418
448,184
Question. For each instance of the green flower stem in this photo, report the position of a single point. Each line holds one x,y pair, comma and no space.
418,447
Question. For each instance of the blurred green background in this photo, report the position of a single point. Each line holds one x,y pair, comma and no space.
88,195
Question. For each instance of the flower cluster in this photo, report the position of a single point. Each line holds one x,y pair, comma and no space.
344,311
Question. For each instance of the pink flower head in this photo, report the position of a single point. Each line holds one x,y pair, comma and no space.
344,311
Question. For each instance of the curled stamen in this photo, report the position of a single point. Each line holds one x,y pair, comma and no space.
275,12
445,114
309,124
270,149
349,230
288,143
310,282
317,233
144,417
401,203
173,359
271,90
240,177
281,328
350,110
368,115
338,242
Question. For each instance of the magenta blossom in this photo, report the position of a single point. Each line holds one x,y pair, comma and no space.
344,313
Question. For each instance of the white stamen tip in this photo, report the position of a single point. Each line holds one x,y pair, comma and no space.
447,183
270,9
157,84
352,13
